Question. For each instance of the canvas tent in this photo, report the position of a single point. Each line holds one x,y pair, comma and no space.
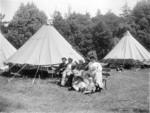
128,49
45,47
6,50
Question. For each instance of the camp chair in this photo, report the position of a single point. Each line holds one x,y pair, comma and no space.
51,72
106,74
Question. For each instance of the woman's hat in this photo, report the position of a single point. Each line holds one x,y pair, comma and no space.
92,57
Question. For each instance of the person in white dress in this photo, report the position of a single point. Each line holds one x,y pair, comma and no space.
92,78
95,70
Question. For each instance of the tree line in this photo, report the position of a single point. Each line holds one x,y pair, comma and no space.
84,32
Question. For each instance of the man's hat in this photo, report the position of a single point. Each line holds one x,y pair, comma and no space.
70,59
64,58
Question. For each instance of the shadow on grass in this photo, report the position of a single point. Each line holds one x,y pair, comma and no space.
27,74
5,105
135,110
53,81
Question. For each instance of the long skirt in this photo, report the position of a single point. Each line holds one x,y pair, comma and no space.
78,83
97,78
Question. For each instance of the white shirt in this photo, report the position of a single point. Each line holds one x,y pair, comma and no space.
94,67
69,66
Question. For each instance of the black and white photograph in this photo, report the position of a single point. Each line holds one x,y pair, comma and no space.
74,56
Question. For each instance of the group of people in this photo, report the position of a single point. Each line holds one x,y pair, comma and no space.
81,76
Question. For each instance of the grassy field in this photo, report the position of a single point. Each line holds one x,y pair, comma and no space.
127,92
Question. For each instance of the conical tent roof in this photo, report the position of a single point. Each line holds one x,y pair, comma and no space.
128,48
6,50
45,47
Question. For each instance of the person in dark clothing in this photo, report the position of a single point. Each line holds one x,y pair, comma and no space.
61,67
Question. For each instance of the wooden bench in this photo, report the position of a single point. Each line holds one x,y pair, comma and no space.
16,74
106,74
52,72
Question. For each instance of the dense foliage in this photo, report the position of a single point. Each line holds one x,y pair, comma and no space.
141,22
102,32
26,21
85,33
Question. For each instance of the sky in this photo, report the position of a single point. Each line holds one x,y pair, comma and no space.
9,7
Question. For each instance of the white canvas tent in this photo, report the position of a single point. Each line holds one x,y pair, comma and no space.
45,47
6,50
128,48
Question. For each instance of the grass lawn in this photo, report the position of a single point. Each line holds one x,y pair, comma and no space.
127,92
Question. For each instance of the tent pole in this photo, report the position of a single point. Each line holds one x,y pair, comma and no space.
113,62
17,73
134,62
123,62
39,75
35,75
144,67
108,60
12,66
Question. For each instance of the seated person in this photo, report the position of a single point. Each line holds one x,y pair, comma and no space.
82,80
78,84
61,67
76,71
67,72
90,86
80,68
83,85
94,71
119,68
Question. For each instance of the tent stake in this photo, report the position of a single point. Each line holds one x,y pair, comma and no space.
17,73
35,75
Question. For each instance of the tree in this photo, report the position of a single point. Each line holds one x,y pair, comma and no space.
102,38
1,18
112,21
3,27
61,24
75,27
1,22
126,12
80,26
121,29
141,22
26,21
98,13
